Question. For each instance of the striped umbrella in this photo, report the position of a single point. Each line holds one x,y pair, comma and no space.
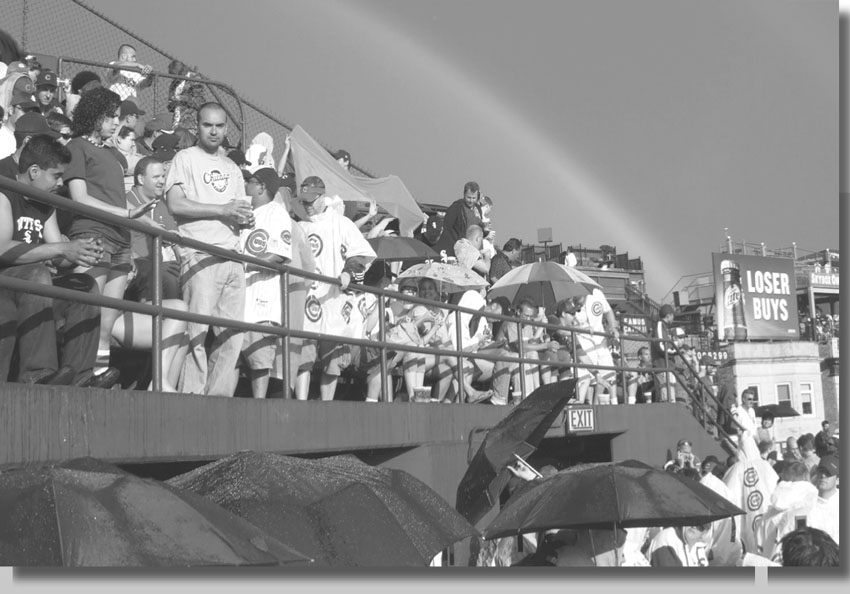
547,283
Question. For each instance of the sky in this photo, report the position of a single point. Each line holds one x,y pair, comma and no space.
649,125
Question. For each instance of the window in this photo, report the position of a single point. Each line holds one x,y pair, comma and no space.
783,394
755,391
806,398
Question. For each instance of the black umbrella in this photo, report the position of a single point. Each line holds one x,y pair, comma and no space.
777,410
623,494
342,512
73,518
520,432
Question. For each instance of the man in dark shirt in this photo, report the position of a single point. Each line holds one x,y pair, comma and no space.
504,261
27,126
30,244
824,441
459,216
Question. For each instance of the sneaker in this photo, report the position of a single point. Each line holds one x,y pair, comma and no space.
61,377
105,380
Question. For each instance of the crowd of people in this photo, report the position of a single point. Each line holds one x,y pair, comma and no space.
176,170
822,327
792,518
87,139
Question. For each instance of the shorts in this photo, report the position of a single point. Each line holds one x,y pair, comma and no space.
141,287
260,350
661,376
307,353
337,356
599,356
115,256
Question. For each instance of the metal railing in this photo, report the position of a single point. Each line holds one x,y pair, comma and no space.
231,104
158,312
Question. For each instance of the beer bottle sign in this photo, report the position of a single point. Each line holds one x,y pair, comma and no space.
734,321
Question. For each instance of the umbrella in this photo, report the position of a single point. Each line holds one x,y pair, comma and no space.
518,433
343,512
74,518
546,282
401,249
627,494
450,277
778,411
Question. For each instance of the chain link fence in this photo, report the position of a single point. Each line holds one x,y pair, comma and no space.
78,33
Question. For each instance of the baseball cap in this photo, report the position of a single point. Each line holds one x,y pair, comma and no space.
341,154
287,180
312,188
164,154
829,463
160,121
130,108
238,157
268,177
167,141
46,78
23,101
34,123
710,459
667,310
708,360
17,67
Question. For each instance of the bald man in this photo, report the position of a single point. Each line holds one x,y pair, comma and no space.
468,251
205,192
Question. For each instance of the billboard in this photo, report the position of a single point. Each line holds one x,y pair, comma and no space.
755,297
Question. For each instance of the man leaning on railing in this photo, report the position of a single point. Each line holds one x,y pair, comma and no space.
31,248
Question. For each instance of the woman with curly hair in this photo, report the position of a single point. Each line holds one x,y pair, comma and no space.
95,178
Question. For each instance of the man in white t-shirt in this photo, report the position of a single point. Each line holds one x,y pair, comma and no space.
126,82
825,513
205,192
271,240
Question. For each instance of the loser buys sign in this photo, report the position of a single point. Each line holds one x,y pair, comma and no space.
755,297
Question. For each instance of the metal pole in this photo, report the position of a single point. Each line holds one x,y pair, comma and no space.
386,395
285,318
461,396
521,365
156,320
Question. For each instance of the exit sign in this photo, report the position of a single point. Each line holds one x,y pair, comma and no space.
580,418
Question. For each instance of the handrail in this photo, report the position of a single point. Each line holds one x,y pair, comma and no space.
158,311
701,387
240,121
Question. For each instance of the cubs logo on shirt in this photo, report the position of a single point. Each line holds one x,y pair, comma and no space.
217,180
286,237
596,309
343,250
316,244
346,311
313,309
257,242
